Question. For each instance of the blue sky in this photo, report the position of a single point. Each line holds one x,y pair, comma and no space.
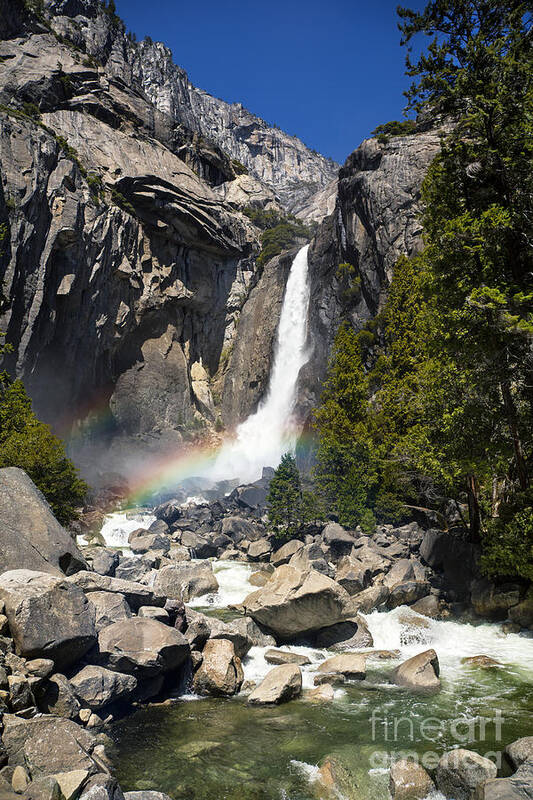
327,71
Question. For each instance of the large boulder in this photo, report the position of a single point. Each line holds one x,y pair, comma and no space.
279,685
48,745
409,781
48,616
419,673
522,614
284,554
349,665
517,787
347,635
295,602
460,772
407,593
220,672
109,608
31,536
185,580
493,601
520,751
141,541
136,594
275,656
97,687
142,647
337,538
456,558
202,627
56,696
238,529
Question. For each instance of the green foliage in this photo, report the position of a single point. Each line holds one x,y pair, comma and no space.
394,128
27,443
350,283
508,540
120,201
32,110
281,237
290,507
264,218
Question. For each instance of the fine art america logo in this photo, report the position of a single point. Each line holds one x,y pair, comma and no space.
442,734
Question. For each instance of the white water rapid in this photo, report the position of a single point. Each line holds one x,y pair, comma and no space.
266,435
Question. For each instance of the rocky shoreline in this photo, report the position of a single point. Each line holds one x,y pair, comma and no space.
88,633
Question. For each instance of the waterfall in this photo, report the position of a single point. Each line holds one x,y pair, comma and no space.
266,435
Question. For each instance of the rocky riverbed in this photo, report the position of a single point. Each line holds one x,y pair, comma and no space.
254,668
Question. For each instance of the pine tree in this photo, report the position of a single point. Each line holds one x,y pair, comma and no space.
285,497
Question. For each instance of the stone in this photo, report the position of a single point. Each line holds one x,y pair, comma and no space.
517,787
294,602
452,556
428,606
371,598
281,684
220,672
409,781
48,616
32,538
198,546
460,772
336,537
419,673
142,647
135,594
20,694
44,788
71,783
40,667
347,635
259,578
108,608
97,687
105,562
520,751
336,779
322,694
20,780
238,529
260,550
146,794
184,581
202,627
143,542
494,601
485,662
284,554
101,787
153,612
274,656
522,613
56,696
248,628
349,665
28,744
406,593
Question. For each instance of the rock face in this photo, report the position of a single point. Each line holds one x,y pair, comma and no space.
142,647
31,536
279,685
295,602
48,616
221,671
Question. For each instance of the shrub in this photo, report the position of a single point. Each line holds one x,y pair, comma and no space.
394,128
508,541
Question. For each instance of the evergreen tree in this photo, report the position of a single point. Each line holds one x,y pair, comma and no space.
27,443
285,497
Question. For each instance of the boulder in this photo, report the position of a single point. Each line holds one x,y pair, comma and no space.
248,628
284,554
405,569
522,613
44,788
349,665
485,662
274,656
403,594
146,794
142,647
48,616
409,781
183,581
428,606
104,561
133,569
517,787
220,672
281,684
136,594
460,772
494,601
338,539
28,744
238,529
56,696
452,556
259,578
295,602
351,576
101,787
336,780
251,496
154,612
31,537
199,546
143,542
520,751
419,673
260,550
70,783
347,635
321,694
108,608
201,627
371,598
97,687
169,512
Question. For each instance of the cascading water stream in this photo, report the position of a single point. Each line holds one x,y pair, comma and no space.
270,432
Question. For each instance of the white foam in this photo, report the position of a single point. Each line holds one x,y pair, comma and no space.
118,526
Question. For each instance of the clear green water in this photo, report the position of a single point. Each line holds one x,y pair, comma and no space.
225,750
